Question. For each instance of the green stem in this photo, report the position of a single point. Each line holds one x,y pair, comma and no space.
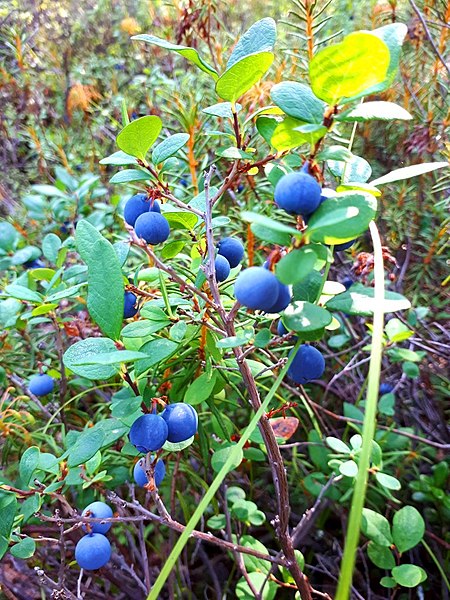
184,537
437,563
369,425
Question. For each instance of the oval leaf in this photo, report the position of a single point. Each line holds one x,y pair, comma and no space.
243,75
137,137
90,347
347,69
169,147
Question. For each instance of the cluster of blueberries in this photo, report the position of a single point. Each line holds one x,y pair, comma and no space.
258,288
93,551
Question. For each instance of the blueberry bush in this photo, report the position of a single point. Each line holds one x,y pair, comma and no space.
201,396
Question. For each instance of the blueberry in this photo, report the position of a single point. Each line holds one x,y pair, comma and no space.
222,267
240,188
257,288
98,510
347,282
41,384
148,433
386,388
140,477
283,300
37,263
182,421
344,246
281,329
232,249
136,206
298,193
308,364
93,551
152,227
129,307
183,182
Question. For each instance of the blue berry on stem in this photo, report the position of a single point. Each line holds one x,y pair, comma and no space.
385,388
308,364
232,249
129,306
41,384
222,268
283,300
152,227
148,433
298,193
136,206
182,421
140,476
257,288
93,551
98,510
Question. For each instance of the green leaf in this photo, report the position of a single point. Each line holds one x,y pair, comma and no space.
269,223
297,100
392,35
24,549
409,576
169,147
137,137
220,457
216,522
381,556
349,468
296,265
337,445
269,235
400,354
119,159
287,135
49,190
241,338
261,37
342,218
408,528
181,220
388,582
411,370
387,481
51,245
397,331
188,53
305,317
171,249
407,172
243,75
266,128
85,237
356,169
29,462
23,293
86,348
369,111
349,68
308,288
9,236
129,175
86,445
386,405
201,388
111,358
253,564
337,153
359,300
244,592
8,509
376,527
233,153
157,350
222,110
178,446
105,289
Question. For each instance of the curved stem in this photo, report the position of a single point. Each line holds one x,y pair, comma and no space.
359,491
